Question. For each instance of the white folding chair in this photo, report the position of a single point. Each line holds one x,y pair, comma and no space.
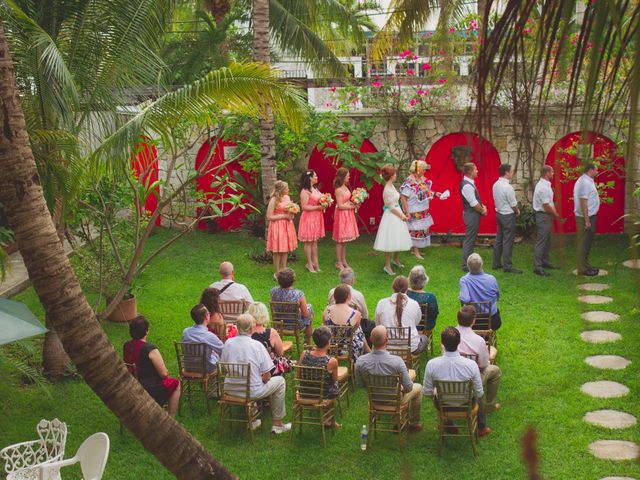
92,455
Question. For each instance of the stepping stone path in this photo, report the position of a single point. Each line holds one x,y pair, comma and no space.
599,317
608,362
615,450
610,419
632,263
601,273
618,478
593,287
600,336
604,389
595,299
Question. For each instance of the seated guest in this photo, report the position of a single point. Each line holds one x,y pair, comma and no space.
400,311
318,357
199,333
244,349
342,314
473,344
228,287
452,367
418,279
477,286
150,368
209,299
286,293
348,277
269,337
381,362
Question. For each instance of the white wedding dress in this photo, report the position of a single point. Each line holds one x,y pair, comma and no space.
393,233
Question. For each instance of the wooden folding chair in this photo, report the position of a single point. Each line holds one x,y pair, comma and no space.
483,323
341,347
387,413
235,394
193,367
422,328
285,319
399,343
455,402
308,399
232,309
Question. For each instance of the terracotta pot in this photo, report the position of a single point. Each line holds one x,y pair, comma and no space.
125,311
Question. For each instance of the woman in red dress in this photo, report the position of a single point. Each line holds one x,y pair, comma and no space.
281,235
345,228
311,226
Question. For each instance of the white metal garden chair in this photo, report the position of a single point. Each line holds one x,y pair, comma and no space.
22,460
92,455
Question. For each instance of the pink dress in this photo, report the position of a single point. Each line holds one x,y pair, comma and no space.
281,236
311,226
345,228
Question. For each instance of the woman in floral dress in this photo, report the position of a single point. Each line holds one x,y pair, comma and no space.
281,234
311,226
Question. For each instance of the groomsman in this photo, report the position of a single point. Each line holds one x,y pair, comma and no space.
504,197
472,210
545,213
586,206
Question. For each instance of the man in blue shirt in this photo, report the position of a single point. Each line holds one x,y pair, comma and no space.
199,333
477,286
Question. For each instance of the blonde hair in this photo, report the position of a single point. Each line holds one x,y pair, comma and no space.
418,166
259,312
279,188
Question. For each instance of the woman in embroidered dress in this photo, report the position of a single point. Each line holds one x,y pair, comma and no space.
281,235
393,234
345,227
311,226
416,193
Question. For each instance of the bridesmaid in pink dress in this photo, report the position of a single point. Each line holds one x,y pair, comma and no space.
311,226
281,235
345,228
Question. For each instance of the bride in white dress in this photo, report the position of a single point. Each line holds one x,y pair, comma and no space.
393,233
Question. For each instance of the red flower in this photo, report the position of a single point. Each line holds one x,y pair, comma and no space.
442,81
410,72
413,102
452,30
333,89
376,84
425,66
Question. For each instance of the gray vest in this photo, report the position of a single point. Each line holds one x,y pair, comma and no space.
466,207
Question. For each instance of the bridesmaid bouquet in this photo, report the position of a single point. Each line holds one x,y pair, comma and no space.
326,200
359,195
293,208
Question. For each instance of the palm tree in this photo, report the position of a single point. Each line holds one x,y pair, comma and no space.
67,309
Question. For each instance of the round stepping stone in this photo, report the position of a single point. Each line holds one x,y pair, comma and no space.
609,362
618,478
614,450
593,287
601,273
595,299
610,419
599,317
635,263
604,389
600,336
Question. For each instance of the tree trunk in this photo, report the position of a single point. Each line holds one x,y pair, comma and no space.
267,134
66,306
218,10
54,358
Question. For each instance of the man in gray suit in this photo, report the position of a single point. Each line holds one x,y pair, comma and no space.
545,213
472,210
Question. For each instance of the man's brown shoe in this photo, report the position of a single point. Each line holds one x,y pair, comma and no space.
483,432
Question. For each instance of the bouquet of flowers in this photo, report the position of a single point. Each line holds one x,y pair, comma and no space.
293,208
359,195
326,200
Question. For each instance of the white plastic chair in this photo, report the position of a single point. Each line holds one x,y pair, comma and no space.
92,455
21,461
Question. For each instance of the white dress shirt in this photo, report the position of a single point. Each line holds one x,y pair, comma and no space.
504,196
542,194
244,349
237,291
473,344
469,193
411,316
452,367
357,301
585,187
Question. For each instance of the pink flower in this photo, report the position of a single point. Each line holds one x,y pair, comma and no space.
425,66
329,104
413,102
410,72
419,91
333,89
376,84
452,30
371,70
441,52
442,81
415,57
426,92
589,45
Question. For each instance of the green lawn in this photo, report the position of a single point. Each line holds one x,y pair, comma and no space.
540,354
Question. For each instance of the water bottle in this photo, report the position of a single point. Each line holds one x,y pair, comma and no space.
364,435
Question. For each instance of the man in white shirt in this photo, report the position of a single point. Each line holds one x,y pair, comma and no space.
504,197
228,287
473,344
453,367
472,210
545,213
244,349
586,205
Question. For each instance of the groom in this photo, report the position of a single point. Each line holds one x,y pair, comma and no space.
472,210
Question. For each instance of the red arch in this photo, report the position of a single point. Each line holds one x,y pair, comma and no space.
563,158
232,221
371,210
445,175
144,163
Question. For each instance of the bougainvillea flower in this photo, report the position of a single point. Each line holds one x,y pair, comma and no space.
425,66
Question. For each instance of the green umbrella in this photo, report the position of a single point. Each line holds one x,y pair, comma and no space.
17,322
